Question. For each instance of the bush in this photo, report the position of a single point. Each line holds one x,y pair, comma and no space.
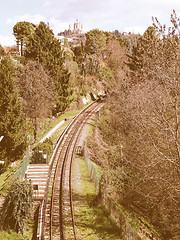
17,206
42,148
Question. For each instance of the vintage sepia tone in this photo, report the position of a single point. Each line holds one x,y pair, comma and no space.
89,121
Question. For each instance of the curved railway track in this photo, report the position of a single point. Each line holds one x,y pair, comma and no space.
56,213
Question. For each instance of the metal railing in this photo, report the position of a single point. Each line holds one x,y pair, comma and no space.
92,170
20,173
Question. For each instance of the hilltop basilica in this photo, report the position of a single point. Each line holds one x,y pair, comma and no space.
76,29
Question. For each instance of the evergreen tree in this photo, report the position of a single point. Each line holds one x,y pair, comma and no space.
2,52
11,117
17,206
148,39
95,41
21,32
46,49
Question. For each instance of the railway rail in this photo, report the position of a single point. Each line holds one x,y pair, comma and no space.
56,216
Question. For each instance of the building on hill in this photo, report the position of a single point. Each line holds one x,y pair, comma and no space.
77,29
74,34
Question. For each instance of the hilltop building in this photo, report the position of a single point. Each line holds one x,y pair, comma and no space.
74,34
78,28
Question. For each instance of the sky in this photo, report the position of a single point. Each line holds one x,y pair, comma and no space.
107,15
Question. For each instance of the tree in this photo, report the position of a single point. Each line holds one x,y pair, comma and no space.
17,205
12,120
2,52
136,59
21,31
115,56
105,76
36,89
44,48
140,133
95,41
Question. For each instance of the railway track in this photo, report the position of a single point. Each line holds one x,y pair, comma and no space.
56,212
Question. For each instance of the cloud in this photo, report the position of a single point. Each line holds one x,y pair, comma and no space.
7,40
110,14
29,18
107,15
57,26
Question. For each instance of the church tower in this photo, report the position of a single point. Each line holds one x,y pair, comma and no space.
77,27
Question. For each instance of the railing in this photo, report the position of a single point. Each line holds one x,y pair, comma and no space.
20,173
92,170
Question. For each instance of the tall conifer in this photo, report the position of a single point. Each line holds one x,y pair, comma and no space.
46,49
11,116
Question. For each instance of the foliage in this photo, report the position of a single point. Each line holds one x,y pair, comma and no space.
139,143
2,52
106,77
44,48
46,147
115,55
21,31
17,206
149,38
12,120
11,235
78,51
36,89
95,41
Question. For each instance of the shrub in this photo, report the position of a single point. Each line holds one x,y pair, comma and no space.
42,148
17,206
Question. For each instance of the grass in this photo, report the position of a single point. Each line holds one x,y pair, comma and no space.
6,177
47,125
92,223
11,235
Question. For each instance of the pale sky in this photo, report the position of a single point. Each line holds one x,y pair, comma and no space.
107,15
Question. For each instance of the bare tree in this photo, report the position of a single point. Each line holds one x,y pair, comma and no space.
36,89
141,130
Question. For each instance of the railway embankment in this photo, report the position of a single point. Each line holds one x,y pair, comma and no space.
130,226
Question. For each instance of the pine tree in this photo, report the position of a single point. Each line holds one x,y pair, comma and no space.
11,118
21,32
17,206
95,41
44,48
137,59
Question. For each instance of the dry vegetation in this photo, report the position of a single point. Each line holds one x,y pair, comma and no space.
138,141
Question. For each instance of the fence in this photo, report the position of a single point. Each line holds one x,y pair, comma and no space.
92,170
130,225
21,171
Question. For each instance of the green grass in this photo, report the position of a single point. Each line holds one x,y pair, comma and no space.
6,178
11,235
92,223
48,124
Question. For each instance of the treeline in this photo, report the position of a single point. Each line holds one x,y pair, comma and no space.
47,77
138,142
32,86
43,81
